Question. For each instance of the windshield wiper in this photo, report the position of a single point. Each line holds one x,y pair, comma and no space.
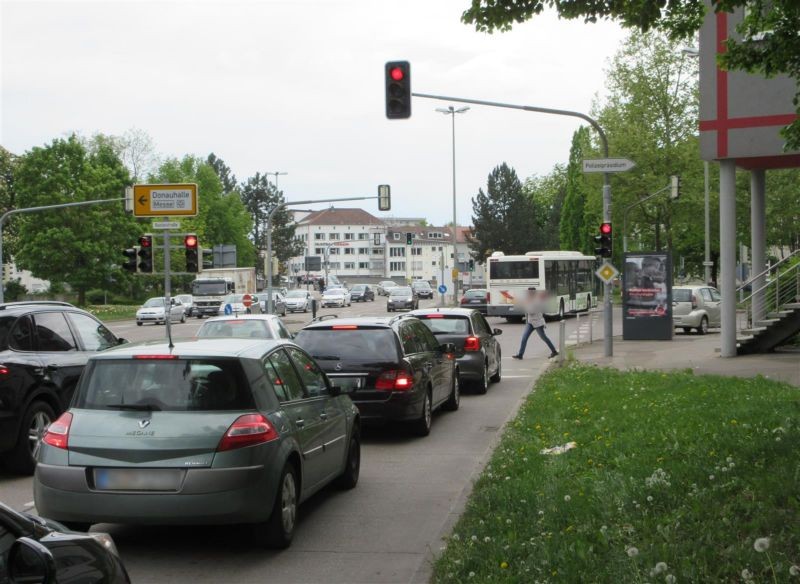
331,357
134,407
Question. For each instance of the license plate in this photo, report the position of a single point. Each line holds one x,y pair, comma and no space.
474,301
348,384
124,479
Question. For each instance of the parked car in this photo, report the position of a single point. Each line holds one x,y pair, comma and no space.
258,326
477,351
44,347
37,550
695,307
477,298
210,431
400,298
153,311
188,303
393,368
385,286
422,288
362,293
278,302
298,301
336,297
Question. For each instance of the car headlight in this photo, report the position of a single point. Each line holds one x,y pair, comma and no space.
105,540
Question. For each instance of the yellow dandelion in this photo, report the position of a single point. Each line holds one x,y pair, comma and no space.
504,565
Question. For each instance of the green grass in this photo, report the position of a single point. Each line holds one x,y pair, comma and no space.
673,468
110,312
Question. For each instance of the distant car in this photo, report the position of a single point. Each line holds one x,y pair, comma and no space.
153,311
44,347
422,288
278,303
477,351
362,293
401,298
385,286
393,368
336,297
207,431
236,302
477,298
298,301
695,307
258,326
33,549
188,303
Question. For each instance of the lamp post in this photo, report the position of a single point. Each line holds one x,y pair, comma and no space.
276,174
452,111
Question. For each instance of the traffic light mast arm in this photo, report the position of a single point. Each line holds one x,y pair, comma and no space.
41,208
631,206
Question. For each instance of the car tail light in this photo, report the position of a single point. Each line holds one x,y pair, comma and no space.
694,302
3,370
487,298
463,300
472,344
247,430
394,381
57,433
344,327
433,315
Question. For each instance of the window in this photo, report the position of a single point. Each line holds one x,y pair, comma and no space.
53,332
93,335
348,236
349,266
349,251
433,263
397,266
416,251
525,269
333,251
319,251
22,335
706,294
334,265
416,265
283,376
363,236
377,239
408,337
363,265
396,236
377,251
319,236
397,252
312,377
480,325
333,236
715,296
425,338
363,250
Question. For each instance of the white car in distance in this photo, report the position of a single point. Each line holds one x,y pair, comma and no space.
336,297
153,311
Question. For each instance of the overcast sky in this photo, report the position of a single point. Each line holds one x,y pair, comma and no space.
297,86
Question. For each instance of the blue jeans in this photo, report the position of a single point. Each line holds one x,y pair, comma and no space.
528,330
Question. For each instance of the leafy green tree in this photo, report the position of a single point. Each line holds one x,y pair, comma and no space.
225,174
769,43
548,194
572,227
79,246
504,217
8,168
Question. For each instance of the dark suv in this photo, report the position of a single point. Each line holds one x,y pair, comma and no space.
393,368
44,347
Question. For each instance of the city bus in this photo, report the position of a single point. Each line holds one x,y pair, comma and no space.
568,276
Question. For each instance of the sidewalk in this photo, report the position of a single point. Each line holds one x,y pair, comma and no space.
699,353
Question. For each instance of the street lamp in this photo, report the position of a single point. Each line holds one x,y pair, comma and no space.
276,175
452,111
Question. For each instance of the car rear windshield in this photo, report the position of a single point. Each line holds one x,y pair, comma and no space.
296,294
475,293
449,325
400,292
681,295
241,328
173,385
361,344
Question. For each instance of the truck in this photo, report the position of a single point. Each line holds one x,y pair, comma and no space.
211,286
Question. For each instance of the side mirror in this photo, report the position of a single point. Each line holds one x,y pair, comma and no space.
121,341
30,562
497,332
335,391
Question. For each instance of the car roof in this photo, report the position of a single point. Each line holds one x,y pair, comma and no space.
465,312
366,321
33,305
205,347
243,317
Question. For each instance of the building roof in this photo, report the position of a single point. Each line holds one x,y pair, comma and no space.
334,216
421,233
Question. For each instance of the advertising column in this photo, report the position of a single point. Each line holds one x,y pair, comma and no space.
647,296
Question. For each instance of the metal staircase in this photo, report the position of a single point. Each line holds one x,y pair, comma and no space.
770,314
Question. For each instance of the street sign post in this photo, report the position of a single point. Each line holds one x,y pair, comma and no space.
608,165
442,289
165,200
607,272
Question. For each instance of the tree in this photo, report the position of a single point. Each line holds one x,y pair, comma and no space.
8,168
769,43
504,217
78,246
224,173
572,227
548,193
138,153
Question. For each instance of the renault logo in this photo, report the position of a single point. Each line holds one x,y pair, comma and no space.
144,423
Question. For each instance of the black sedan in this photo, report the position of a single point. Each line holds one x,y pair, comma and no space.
33,549
402,297
477,349
476,298
362,293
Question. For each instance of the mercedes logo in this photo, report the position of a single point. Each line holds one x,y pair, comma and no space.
144,423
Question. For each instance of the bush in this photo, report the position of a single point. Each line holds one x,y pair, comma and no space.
14,290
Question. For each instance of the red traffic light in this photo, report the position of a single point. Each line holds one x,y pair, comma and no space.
605,228
397,74
146,241
190,241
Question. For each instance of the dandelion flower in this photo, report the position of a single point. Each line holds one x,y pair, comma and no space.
649,498
794,570
761,544
632,552
669,579
487,539
711,477
660,567
456,537
474,538
747,574
567,498
504,565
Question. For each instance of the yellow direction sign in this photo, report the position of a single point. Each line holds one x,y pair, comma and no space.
454,274
607,272
165,200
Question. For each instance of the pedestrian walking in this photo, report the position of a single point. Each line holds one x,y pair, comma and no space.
534,311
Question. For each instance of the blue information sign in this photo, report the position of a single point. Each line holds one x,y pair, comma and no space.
228,309
442,289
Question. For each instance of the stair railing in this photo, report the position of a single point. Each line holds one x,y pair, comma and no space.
777,285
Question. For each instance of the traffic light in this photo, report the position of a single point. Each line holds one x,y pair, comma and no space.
145,254
130,263
398,90
384,197
192,258
207,258
471,265
409,238
603,241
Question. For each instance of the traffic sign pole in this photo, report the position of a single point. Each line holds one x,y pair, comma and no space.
167,289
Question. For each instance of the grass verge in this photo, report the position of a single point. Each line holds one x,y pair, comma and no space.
110,312
675,478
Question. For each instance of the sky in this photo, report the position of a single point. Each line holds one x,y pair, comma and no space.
297,87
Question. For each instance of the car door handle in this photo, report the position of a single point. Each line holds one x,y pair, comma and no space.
300,422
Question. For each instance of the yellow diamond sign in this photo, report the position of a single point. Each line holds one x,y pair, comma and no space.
607,272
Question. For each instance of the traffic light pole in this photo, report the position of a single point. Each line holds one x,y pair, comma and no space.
608,315
33,210
167,288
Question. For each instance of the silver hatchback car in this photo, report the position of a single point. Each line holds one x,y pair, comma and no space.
695,307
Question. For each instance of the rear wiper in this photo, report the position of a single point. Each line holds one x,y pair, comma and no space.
331,357
134,407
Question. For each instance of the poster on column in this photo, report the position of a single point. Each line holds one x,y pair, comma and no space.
647,296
